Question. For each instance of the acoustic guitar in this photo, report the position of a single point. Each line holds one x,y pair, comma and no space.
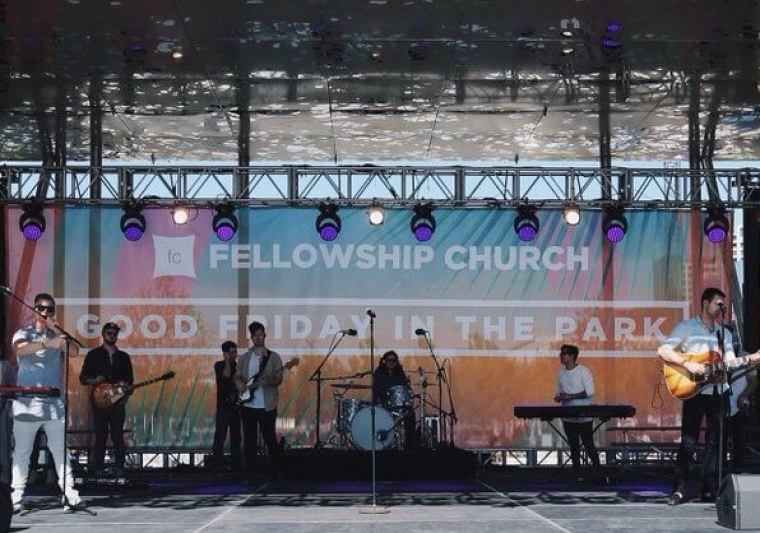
684,385
252,384
106,395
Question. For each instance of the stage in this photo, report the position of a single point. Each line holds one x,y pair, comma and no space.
545,499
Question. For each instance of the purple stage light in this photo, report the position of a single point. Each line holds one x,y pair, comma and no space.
614,223
132,222
225,223
32,223
716,224
526,223
328,222
423,223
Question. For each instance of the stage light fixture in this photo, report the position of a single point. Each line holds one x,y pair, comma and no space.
571,214
32,222
423,222
180,215
376,214
225,223
716,224
614,223
132,222
526,223
328,222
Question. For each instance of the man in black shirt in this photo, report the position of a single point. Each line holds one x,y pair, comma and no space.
391,389
108,364
227,412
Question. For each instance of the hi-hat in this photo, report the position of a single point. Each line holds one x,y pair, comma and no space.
350,386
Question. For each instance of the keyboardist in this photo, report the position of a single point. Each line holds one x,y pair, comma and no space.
575,386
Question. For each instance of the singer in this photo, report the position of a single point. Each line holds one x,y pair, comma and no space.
689,339
41,355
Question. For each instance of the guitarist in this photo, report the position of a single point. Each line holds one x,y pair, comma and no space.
701,334
108,364
259,370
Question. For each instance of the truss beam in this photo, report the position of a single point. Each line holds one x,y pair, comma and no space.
442,186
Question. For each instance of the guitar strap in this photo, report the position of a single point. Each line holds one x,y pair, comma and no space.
262,366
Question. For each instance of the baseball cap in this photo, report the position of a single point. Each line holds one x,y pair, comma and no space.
110,325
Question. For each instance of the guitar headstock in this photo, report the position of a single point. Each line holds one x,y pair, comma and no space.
290,364
168,375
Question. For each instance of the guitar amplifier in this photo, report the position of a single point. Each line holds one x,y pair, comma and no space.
6,507
739,501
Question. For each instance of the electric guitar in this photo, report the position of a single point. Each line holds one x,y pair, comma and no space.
683,385
252,384
106,395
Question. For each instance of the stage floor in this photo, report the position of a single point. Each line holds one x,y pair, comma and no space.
501,499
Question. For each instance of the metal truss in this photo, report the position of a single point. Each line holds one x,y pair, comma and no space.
440,186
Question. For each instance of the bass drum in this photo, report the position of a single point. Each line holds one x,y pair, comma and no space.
361,429
346,409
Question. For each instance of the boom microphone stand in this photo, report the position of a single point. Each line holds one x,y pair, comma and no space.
440,373
68,338
317,377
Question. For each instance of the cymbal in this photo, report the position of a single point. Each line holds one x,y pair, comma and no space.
350,386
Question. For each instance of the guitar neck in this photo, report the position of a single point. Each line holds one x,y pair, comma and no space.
147,382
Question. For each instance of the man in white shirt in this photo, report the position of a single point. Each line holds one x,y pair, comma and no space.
40,352
575,386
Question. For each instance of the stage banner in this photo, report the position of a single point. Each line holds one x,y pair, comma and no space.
495,310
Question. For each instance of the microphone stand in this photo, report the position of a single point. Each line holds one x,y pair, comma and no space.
452,415
441,379
68,338
721,399
374,509
317,378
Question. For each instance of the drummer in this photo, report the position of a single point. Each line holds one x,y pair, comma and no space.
388,374
391,388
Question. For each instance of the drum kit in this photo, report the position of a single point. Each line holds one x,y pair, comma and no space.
395,418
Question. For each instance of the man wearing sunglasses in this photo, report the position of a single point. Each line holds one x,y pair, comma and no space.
40,355
108,364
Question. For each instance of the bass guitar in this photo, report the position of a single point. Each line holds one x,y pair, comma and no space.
683,385
106,395
252,384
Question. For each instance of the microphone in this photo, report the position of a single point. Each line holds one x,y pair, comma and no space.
371,313
722,306
420,331
5,290
381,434
349,332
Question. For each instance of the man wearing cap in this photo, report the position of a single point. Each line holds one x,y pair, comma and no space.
41,353
108,364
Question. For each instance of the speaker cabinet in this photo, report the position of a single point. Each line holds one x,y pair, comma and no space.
739,501
6,508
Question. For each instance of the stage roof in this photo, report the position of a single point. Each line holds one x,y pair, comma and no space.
338,81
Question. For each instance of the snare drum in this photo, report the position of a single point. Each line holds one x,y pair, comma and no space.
361,429
398,396
346,409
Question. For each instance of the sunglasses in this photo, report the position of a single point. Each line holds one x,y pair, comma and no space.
391,360
48,308
110,332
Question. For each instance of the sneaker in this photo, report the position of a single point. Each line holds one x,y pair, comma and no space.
18,507
72,508
676,498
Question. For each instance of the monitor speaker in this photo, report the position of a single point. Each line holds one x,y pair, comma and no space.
6,507
738,502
